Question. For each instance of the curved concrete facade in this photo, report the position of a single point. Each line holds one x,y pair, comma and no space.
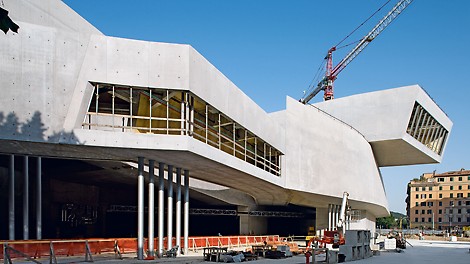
47,77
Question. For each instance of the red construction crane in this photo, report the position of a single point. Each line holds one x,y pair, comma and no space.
326,84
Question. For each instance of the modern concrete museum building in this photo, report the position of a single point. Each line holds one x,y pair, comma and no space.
83,114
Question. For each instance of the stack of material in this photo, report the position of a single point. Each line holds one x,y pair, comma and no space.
357,245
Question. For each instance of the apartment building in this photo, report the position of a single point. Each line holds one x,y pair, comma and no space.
439,201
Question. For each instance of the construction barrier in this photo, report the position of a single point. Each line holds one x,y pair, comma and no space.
34,249
196,243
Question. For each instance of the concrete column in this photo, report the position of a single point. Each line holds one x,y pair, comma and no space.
39,199
334,217
186,211
321,218
169,214
26,199
329,217
11,198
250,225
140,210
161,189
178,210
151,215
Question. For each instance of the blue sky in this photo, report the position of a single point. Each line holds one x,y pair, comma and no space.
271,49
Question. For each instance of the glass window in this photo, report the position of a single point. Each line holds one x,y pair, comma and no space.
468,194
423,196
451,178
440,195
430,195
440,188
416,220
426,129
416,211
171,112
422,219
451,188
417,196
459,219
440,203
417,189
459,211
423,203
440,179
430,203
417,204
423,211
459,203
423,189
451,195
460,178
429,211
430,188
439,219
460,187
451,203
429,220
459,195
440,211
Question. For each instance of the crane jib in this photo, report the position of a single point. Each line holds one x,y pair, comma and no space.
332,73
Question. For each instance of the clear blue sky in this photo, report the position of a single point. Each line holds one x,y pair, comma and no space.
271,49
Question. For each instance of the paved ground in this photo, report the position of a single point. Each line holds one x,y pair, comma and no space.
422,252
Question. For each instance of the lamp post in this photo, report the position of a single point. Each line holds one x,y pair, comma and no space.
451,211
433,221
432,212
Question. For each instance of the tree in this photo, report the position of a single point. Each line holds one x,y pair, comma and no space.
392,221
386,222
6,23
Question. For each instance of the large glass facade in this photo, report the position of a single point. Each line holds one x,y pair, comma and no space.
426,129
175,112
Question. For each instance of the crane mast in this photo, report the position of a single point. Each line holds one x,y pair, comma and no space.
326,84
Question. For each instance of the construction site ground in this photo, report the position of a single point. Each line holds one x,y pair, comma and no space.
422,252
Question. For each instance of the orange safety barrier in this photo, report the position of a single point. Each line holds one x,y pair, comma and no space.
228,241
52,248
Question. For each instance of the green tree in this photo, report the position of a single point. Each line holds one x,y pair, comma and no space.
386,222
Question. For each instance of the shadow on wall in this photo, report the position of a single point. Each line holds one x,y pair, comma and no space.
33,130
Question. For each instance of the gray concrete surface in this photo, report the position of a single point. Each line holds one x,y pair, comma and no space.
422,252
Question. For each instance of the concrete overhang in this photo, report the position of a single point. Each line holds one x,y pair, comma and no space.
383,117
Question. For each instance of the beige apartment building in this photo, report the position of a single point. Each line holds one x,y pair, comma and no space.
439,201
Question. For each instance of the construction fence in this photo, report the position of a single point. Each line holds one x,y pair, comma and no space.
35,249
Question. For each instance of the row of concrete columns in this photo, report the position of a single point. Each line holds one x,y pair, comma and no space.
11,199
160,207
333,216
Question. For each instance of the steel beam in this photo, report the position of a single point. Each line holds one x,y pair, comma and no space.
151,222
161,196
140,210
178,210
186,211
169,214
